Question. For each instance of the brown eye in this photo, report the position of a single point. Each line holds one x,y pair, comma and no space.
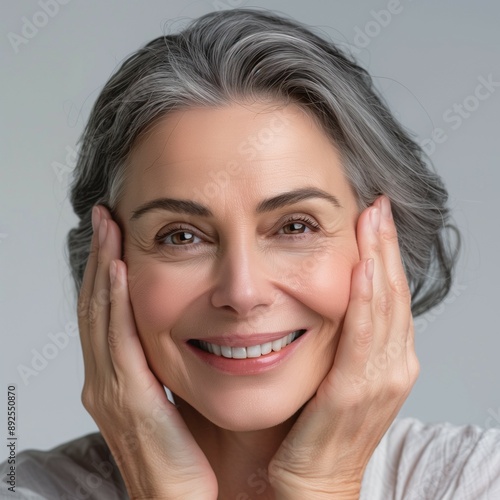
297,226
179,236
299,222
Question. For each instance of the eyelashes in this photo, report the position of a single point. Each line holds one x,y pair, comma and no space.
179,229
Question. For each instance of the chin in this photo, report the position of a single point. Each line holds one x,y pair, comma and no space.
251,412
249,422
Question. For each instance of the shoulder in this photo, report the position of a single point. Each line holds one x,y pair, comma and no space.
417,460
81,468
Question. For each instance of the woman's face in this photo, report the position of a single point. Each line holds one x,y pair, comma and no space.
238,266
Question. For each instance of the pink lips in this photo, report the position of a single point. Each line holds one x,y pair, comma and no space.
249,366
245,340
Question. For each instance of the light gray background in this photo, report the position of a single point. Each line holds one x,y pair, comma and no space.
426,59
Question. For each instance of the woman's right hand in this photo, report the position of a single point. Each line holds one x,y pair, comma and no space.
152,446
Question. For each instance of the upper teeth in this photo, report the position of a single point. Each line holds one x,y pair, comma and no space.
253,351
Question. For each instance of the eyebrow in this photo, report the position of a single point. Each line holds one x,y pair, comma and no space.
268,205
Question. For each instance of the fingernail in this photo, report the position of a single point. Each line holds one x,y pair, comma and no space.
112,271
375,218
386,208
95,218
103,228
369,269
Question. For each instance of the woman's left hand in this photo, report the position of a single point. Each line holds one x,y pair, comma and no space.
375,367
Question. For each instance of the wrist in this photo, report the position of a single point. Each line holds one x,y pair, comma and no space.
316,489
351,493
339,492
322,496
318,496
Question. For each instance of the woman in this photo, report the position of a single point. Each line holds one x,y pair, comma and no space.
288,354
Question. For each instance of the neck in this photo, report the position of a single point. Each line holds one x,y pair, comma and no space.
239,459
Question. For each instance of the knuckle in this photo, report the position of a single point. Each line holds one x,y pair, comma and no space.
381,361
388,234
103,296
98,398
83,303
399,285
101,259
113,300
374,247
414,368
372,371
395,348
88,399
364,297
398,386
93,312
364,336
383,304
92,253
113,338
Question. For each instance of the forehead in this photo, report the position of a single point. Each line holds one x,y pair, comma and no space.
250,147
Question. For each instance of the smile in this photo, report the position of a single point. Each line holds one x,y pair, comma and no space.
253,351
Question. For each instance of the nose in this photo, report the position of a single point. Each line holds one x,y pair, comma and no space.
244,283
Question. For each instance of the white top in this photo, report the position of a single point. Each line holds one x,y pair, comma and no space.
413,461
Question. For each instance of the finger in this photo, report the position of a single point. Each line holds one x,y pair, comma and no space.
87,285
356,340
394,309
125,348
109,248
396,277
398,290
85,293
370,248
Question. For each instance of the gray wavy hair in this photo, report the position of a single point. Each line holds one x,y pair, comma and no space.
227,56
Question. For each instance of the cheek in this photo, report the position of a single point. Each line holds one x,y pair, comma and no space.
323,281
159,295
